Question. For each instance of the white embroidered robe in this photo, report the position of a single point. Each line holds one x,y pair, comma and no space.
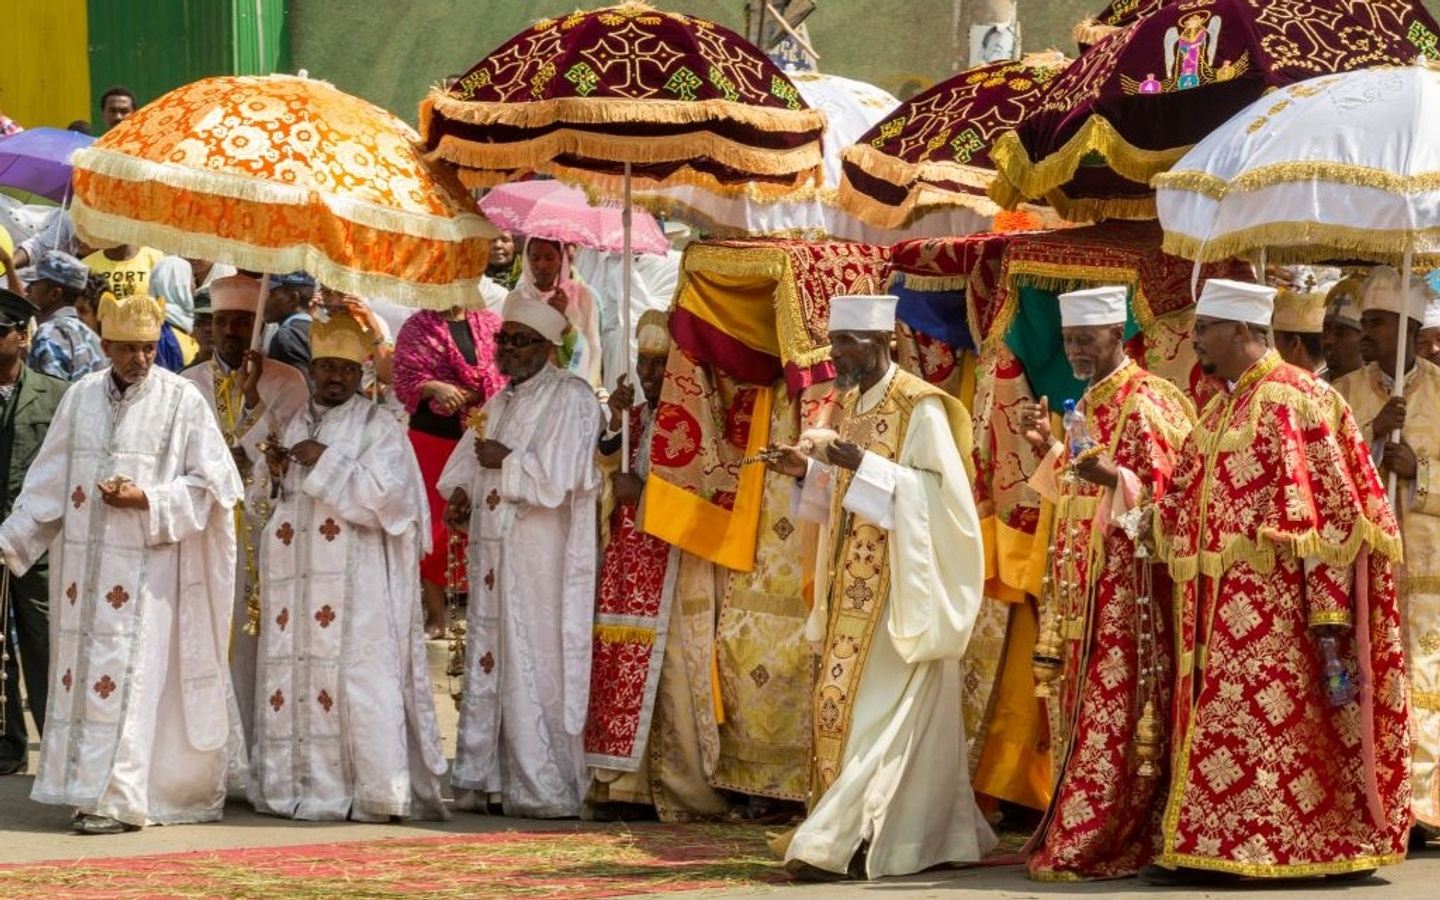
533,562
903,786
283,392
140,702
344,718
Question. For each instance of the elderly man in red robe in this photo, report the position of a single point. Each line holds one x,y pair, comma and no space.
1105,640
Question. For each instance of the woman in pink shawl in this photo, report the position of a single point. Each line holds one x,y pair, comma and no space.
444,367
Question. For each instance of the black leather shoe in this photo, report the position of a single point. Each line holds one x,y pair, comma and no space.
13,766
1160,876
91,824
1344,877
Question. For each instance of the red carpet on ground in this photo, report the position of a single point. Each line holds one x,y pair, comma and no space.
580,864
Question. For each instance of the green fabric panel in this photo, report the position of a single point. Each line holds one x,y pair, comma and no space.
1034,338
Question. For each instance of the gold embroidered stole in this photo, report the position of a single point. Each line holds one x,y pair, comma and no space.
860,578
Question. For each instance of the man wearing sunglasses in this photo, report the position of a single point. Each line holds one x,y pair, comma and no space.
529,466
28,400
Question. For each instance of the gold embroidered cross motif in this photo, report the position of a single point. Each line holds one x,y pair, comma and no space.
117,597
105,687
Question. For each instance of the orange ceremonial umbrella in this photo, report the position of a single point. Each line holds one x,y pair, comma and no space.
283,173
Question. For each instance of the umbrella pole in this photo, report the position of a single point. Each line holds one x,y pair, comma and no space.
625,318
259,330
1402,339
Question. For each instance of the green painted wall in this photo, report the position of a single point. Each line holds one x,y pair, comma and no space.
153,46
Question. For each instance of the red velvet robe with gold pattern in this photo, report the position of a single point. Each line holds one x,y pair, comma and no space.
1118,651
1277,523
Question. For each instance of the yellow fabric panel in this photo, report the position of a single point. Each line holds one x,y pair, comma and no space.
1007,559
46,76
740,306
1013,764
724,537
969,372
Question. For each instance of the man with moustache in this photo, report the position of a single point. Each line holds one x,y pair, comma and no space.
345,721
523,483
250,396
1388,318
1292,743
1340,339
1105,638
899,578
132,492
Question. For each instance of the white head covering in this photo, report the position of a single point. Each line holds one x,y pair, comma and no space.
1093,306
235,293
1432,315
1236,301
536,314
863,312
172,280
1382,292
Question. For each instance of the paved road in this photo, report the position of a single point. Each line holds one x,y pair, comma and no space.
31,832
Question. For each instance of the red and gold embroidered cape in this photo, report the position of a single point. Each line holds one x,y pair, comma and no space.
1104,817
1277,523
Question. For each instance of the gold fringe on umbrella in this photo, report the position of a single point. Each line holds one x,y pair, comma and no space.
803,162
610,110
1089,32
1288,243
1030,180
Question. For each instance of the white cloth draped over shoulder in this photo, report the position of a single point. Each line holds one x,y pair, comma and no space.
903,786
283,392
533,563
345,721
141,707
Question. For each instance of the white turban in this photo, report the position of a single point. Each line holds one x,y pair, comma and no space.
535,314
1095,306
235,293
863,312
1237,301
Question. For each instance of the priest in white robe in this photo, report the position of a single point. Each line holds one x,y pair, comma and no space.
345,722
898,587
532,477
251,396
132,493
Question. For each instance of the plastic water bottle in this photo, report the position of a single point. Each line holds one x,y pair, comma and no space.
1077,437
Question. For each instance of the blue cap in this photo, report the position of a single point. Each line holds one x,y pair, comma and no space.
292,279
63,269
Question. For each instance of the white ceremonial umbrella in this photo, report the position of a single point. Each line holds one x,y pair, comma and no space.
1338,167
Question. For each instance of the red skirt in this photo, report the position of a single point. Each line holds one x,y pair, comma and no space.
433,452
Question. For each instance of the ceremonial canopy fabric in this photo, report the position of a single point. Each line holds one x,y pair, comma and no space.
750,308
934,149
1131,105
279,174
682,99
